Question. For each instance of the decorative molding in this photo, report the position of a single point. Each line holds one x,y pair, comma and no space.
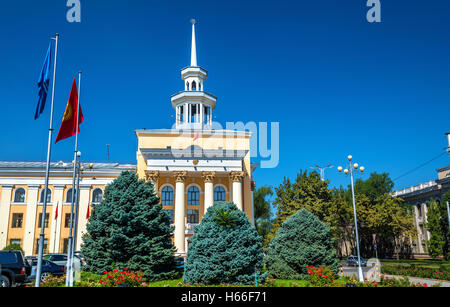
152,176
208,176
180,176
236,176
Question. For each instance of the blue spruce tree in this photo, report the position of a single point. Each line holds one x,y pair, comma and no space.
302,240
129,228
225,248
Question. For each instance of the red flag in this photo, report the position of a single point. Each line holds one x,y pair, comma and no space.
56,213
87,213
69,122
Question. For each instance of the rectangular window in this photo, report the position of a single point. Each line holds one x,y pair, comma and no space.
67,221
8,258
65,245
192,216
47,216
17,220
15,241
45,246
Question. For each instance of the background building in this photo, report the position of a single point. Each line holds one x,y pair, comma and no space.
21,201
419,196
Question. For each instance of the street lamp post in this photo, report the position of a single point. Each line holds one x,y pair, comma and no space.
448,150
354,169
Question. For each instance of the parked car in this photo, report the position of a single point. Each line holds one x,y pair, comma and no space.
80,255
61,259
48,268
353,261
13,268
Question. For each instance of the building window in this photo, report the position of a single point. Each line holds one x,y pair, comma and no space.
19,195
97,196
67,220
167,196
69,195
15,241
194,86
192,216
45,246
207,115
49,195
219,194
17,220
47,216
65,245
193,196
170,212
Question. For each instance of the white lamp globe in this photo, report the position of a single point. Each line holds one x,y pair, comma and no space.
346,171
349,158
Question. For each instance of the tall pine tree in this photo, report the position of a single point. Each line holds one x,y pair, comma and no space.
129,228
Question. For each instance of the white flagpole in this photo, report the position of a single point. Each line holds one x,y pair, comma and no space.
75,158
47,172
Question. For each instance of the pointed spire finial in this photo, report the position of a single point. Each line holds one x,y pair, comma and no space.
193,47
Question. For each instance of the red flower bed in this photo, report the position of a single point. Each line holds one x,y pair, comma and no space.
118,278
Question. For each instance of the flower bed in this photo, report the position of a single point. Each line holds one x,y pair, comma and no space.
415,271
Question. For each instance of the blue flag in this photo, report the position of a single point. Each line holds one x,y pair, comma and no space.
43,83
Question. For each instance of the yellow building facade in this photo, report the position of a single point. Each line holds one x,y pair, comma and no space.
192,165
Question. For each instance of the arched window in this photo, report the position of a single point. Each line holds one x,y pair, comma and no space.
49,195
97,196
219,194
193,196
167,196
194,86
19,195
69,195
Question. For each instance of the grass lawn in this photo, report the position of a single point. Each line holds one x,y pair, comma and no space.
432,263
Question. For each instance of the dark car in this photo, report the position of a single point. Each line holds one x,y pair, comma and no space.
353,261
13,268
48,268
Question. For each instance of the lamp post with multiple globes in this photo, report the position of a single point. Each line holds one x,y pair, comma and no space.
355,168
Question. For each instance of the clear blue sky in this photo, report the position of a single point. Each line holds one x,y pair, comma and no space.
337,84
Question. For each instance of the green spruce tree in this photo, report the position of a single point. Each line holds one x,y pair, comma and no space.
302,240
225,248
437,225
129,228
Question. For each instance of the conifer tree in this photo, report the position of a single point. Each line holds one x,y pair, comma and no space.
302,240
129,228
225,248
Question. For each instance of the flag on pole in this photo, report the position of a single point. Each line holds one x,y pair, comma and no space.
196,137
56,212
88,213
69,122
43,82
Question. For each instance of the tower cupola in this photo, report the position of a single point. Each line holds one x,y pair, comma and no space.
193,106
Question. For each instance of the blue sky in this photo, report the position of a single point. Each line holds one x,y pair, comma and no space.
337,84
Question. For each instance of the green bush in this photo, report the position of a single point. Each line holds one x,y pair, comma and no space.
225,248
303,240
445,268
14,247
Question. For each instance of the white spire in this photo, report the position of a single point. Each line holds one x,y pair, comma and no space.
193,47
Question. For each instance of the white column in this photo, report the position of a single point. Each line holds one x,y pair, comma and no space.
5,203
236,178
208,177
425,218
419,239
55,234
179,233
30,222
85,191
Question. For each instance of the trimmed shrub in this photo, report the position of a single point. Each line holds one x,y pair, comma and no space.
303,240
225,248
